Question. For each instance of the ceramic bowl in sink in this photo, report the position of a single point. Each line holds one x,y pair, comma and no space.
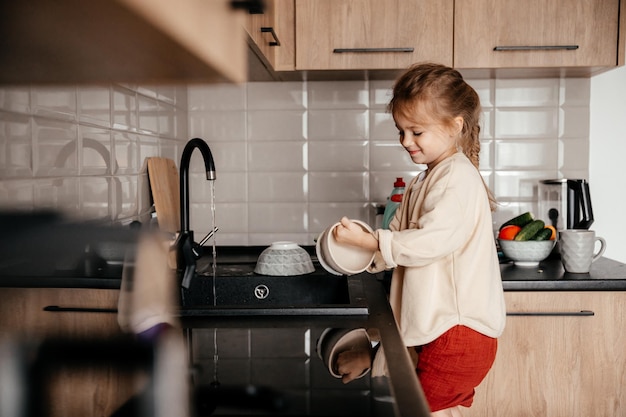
284,259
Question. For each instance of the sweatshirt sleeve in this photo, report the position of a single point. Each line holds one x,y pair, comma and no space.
441,224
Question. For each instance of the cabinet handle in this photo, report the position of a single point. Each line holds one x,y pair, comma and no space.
370,50
275,42
252,6
57,309
582,313
536,48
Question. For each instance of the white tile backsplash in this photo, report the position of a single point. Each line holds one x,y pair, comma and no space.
262,125
291,157
526,154
338,124
94,106
539,122
338,95
527,92
54,102
268,187
82,149
276,96
276,156
338,156
16,146
95,151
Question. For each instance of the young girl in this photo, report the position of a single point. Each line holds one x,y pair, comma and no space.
446,290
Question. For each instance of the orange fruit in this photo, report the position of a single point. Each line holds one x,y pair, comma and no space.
553,236
509,232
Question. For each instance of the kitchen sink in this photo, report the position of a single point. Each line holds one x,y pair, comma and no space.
235,290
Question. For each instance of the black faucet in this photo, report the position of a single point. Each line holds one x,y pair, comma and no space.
187,252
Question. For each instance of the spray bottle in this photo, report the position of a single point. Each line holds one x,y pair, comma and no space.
393,202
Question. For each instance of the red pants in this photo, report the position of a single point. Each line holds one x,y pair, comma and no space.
451,366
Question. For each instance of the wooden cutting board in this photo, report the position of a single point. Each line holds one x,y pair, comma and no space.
165,189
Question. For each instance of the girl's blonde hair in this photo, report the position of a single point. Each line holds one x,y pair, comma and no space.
444,95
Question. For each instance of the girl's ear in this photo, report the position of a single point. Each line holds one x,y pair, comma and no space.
457,124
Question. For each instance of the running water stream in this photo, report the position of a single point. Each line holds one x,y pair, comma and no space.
214,228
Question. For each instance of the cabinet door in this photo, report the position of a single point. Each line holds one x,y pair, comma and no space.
130,41
22,312
273,34
561,355
535,33
71,392
372,34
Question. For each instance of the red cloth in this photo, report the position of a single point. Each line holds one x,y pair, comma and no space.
451,366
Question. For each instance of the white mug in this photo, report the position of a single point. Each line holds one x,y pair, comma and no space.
577,248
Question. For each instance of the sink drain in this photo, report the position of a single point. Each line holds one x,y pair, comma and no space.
261,292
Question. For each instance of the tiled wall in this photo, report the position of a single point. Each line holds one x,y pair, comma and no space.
292,158
82,149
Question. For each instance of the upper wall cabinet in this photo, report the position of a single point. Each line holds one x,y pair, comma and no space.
77,41
537,34
272,34
372,34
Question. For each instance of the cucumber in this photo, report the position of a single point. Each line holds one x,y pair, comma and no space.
530,230
543,234
521,220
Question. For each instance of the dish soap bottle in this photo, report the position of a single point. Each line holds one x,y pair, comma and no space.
393,202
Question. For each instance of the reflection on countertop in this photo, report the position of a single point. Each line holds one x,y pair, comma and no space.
251,345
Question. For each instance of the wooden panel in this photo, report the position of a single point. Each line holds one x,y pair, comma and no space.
165,189
481,25
73,41
72,392
324,25
22,314
558,366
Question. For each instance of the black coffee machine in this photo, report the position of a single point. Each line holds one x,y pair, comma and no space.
565,203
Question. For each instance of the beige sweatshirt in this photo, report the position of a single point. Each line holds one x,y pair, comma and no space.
442,247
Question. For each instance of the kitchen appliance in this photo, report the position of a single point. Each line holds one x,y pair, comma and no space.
565,203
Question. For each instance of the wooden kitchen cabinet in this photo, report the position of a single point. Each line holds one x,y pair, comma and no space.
563,356
149,41
372,34
538,34
92,390
22,312
273,34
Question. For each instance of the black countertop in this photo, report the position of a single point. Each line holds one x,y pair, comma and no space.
299,373
605,275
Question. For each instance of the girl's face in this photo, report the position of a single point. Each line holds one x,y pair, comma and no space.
427,143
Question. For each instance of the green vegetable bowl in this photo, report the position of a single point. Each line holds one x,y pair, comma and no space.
526,253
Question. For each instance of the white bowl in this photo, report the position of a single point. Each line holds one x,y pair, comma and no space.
334,341
320,258
527,252
284,259
339,258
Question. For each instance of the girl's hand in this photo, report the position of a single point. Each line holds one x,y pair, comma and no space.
351,233
353,363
